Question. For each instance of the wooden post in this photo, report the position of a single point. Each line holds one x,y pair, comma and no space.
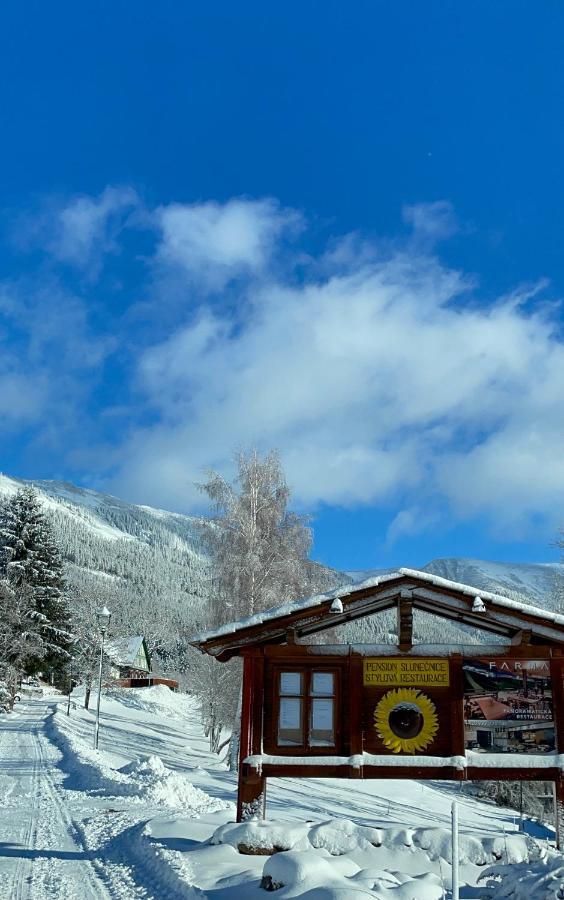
405,622
251,794
556,675
455,853
559,813
457,704
355,714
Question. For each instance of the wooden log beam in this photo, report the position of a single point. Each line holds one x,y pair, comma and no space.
405,622
523,638
414,772
251,793
315,651
356,736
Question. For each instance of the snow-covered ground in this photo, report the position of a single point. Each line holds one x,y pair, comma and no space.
151,815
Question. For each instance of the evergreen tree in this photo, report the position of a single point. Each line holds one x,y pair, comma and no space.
31,563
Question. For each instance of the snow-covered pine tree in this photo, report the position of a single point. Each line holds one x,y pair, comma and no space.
20,639
31,563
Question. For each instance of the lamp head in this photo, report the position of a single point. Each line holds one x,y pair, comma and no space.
103,617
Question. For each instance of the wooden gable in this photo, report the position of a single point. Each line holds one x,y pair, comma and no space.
405,590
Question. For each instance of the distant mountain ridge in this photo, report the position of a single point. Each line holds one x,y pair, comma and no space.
149,554
151,550
537,582
109,544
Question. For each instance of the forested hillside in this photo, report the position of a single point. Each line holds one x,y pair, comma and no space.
149,566
153,567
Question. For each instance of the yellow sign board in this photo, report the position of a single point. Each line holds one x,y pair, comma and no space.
413,672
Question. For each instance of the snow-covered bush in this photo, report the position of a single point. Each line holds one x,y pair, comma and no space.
5,697
338,837
540,880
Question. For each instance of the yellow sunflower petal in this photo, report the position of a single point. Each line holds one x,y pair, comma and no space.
426,708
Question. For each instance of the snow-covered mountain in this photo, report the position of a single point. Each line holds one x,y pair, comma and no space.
149,554
152,551
538,582
109,543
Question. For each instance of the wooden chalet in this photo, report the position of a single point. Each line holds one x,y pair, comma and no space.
130,663
475,711
128,657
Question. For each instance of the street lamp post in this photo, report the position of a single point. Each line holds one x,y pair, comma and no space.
70,687
103,617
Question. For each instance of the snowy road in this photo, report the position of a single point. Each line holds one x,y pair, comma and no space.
133,821
42,853
58,841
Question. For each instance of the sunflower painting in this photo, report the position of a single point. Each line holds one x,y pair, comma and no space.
406,720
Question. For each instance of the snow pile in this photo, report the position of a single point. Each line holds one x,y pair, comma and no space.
338,859
257,836
158,700
338,837
317,877
152,782
543,880
145,780
84,768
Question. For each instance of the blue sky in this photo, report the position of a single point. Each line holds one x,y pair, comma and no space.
331,228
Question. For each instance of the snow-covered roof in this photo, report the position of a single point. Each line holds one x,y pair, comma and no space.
270,616
124,651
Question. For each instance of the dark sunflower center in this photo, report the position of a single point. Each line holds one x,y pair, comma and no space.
405,721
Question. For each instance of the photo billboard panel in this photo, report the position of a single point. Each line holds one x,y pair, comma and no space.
508,705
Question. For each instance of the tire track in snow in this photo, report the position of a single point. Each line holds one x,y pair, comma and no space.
63,845
22,876
61,880
123,865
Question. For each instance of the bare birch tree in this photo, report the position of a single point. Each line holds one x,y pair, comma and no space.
260,552
260,548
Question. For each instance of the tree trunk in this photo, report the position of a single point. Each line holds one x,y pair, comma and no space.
236,736
87,696
13,690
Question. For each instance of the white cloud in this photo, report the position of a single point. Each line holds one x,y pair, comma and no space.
49,363
410,522
373,368
213,242
431,222
80,230
22,397
376,384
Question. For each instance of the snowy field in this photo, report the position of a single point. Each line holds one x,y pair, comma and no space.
151,815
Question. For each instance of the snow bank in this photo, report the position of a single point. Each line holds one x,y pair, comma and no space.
339,859
543,880
152,782
256,836
145,780
158,700
310,875
338,837
84,768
